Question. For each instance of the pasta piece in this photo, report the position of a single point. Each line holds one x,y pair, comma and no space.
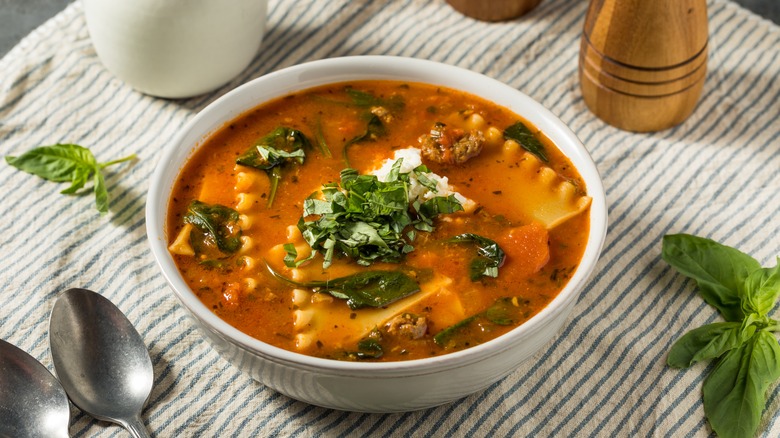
245,180
300,297
245,221
494,136
249,263
181,246
246,244
339,326
549,199
245,202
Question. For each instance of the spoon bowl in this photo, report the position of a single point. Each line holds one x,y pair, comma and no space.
100,358
32,401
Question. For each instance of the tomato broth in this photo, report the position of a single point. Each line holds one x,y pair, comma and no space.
499,229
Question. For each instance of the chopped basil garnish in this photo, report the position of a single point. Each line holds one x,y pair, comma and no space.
272,152
365,218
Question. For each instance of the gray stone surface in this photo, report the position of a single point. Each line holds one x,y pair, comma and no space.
19,17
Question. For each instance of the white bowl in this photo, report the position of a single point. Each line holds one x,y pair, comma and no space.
359,386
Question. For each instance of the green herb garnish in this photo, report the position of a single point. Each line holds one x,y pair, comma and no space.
365,289
272,152
746,352
216,234
292,254
364,218
68,163
489,257
521,134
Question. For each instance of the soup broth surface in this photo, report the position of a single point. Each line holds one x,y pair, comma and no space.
534,210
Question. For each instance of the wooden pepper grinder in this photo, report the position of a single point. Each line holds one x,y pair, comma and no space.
643,62
493,10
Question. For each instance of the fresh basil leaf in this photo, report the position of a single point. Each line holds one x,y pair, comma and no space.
735,390
101,193
489,258
216,234
67,163
521,134
706,342
761,289
55,163
719,271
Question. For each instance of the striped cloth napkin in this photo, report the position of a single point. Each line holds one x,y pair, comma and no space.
716,175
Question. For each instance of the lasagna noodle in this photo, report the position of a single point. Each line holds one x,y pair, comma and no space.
546,196
340,327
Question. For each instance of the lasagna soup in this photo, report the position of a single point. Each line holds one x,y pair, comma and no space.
377,221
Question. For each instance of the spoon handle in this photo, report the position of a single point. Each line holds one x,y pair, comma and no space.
136,427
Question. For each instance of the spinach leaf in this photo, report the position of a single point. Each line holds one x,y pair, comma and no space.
68,163
747,354
365,218
489,257
366,100
370,347
706,342
504,311
216,234
521,134
735,390
365,289
719,271
273,152
320,137
374,129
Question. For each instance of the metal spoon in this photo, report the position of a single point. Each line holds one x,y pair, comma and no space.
100,359
32,401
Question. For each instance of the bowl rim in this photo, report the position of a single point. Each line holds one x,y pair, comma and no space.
352,68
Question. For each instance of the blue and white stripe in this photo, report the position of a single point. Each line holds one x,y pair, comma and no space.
716,175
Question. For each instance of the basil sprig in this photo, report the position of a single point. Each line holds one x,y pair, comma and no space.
746,352
68,163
